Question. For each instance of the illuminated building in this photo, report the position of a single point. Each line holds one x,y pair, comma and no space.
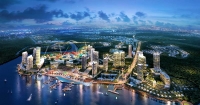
24,57
94,69
91,54
119,58
141,65
140,75
96,57
34,53
29,62
54,65
105,64
165,78
129,51
89,50
156,62
84,62
38,49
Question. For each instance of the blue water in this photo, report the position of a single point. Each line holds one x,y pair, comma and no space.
22,87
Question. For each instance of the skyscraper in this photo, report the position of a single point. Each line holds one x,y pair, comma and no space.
29,62
24,57
141,65
119,58
84,62
156,62
105,64
38,50
140,72
91,54
34,53
94,69
129,51
96,57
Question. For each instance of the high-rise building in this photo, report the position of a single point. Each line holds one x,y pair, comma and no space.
134,40
89,50
140,72
96,57
94,69
24,57
156,62
141,65
105,64
129,51
84,62
119,58
29,62
91,54
141,58
34,53
38,50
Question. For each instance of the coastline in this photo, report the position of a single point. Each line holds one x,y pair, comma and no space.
9,60
145,94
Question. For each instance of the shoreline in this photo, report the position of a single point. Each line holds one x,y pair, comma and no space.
9,60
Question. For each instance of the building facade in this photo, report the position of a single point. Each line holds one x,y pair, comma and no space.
105,64
129,51
29,62
38,50
94,69
165,78
119,58
24,57
156,62
84,62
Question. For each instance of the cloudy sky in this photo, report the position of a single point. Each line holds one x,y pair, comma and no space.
184,13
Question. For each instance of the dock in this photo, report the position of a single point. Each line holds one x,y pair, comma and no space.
116,87
112,91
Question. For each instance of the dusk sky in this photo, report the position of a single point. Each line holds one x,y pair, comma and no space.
184,13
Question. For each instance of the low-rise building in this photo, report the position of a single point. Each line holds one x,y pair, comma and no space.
165,78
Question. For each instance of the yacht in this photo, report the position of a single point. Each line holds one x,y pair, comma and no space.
29,97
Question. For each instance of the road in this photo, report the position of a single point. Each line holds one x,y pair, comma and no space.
134,60
129,69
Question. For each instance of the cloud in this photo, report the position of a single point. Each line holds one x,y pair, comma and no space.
103,16
159,23
168,25
118,19
79,15
142,22
150,22
135,22
66,23
124,17
39,14
134,18
5,3
70,1
49,0
140,14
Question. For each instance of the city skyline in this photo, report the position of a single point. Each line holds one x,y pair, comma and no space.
170,14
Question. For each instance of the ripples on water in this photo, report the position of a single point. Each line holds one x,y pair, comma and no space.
23,86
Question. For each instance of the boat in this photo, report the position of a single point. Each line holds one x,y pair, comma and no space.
29,98
106,94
